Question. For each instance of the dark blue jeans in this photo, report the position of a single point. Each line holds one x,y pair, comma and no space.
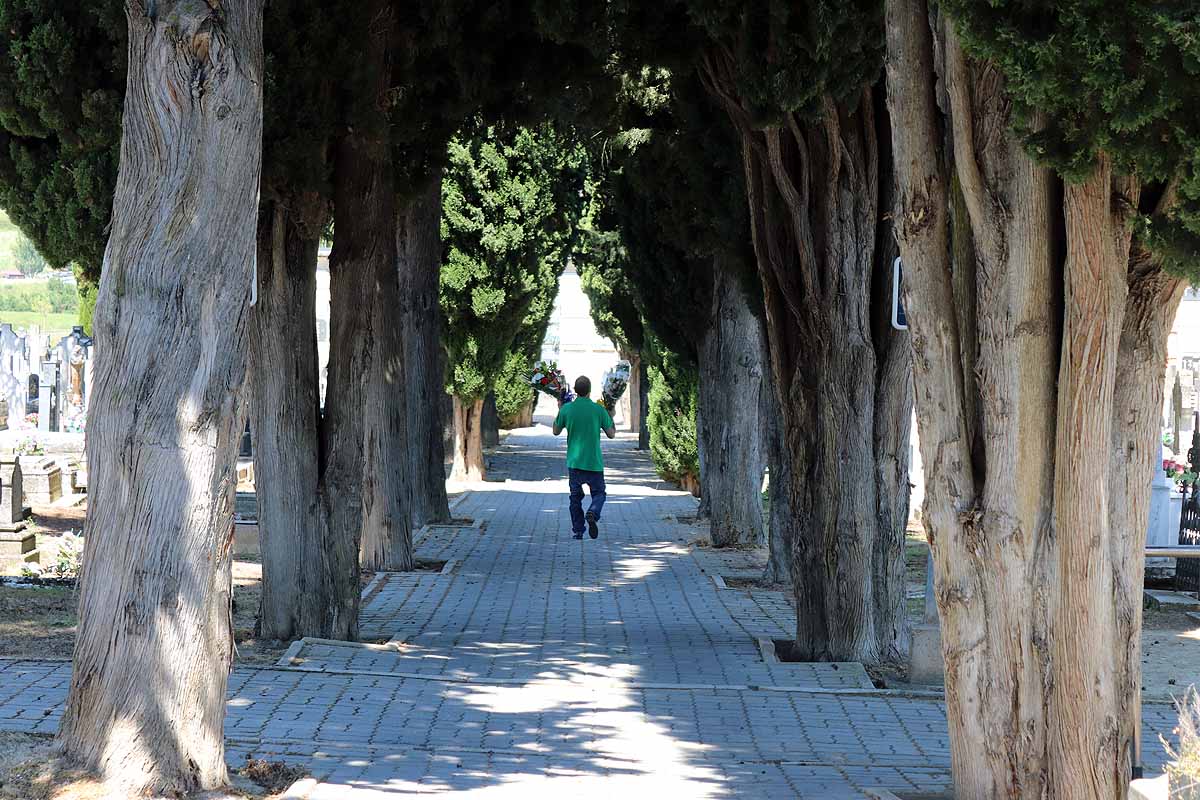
578,478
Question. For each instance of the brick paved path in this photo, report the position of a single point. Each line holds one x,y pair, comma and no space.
534,665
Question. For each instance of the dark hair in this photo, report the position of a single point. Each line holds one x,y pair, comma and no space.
583,386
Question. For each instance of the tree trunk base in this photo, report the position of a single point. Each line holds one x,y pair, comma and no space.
468,442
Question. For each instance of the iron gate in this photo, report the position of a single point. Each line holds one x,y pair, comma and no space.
1187,570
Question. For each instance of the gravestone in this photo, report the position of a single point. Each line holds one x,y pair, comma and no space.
14,368
247,448
31,393
17,545
925,663
12,493
48,397
42,478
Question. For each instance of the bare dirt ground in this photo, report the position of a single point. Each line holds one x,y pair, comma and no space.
1170,654
39,622
30,769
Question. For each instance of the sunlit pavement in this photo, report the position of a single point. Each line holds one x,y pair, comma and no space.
535,665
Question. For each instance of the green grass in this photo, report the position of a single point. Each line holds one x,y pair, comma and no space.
56,325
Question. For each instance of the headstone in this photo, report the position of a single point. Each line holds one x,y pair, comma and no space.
14,368
925,663
12,493
31,393
1163,531
42,479
17,545
48,398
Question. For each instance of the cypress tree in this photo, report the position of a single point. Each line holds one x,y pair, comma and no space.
798,84
512,202
1045,260
62,82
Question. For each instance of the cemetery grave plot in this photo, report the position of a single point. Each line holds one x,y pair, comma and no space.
39,622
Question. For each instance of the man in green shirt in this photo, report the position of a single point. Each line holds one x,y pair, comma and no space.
583,421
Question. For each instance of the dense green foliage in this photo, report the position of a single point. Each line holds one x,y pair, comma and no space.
62,81
44,297
460,58
512,200
512,389
300,116
674,210
672,422
777,57
1118,78
87,300
605,279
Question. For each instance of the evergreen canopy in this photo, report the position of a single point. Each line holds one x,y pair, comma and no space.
512,203
1122,79
62,84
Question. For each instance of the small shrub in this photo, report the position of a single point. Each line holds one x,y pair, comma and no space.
512,390
672,420
29,445
66,564
1183,770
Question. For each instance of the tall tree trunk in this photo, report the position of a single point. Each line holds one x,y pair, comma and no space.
489,422
419,249
362,269
633,392
703,440
1048,354
285,416
782,516
468,441
1136,456
814,193
387,517
152,657
643,405
731,379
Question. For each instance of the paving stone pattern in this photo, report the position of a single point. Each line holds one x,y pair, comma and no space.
541,666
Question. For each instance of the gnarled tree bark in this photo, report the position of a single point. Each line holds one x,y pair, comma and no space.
782,515
1038,362
731,381
468,441
154,648
362,269
814,194
284,410
386,490
419,251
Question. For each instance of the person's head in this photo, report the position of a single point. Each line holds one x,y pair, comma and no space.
583,386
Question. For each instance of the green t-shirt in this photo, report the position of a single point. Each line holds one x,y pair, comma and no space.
584,420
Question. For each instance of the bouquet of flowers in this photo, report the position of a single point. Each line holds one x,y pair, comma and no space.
616,380
29,446
74,420
1178,472
548,378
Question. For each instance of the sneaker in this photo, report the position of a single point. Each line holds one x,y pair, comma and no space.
593,525
578,535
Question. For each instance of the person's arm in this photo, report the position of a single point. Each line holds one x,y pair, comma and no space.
610,427
558,424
